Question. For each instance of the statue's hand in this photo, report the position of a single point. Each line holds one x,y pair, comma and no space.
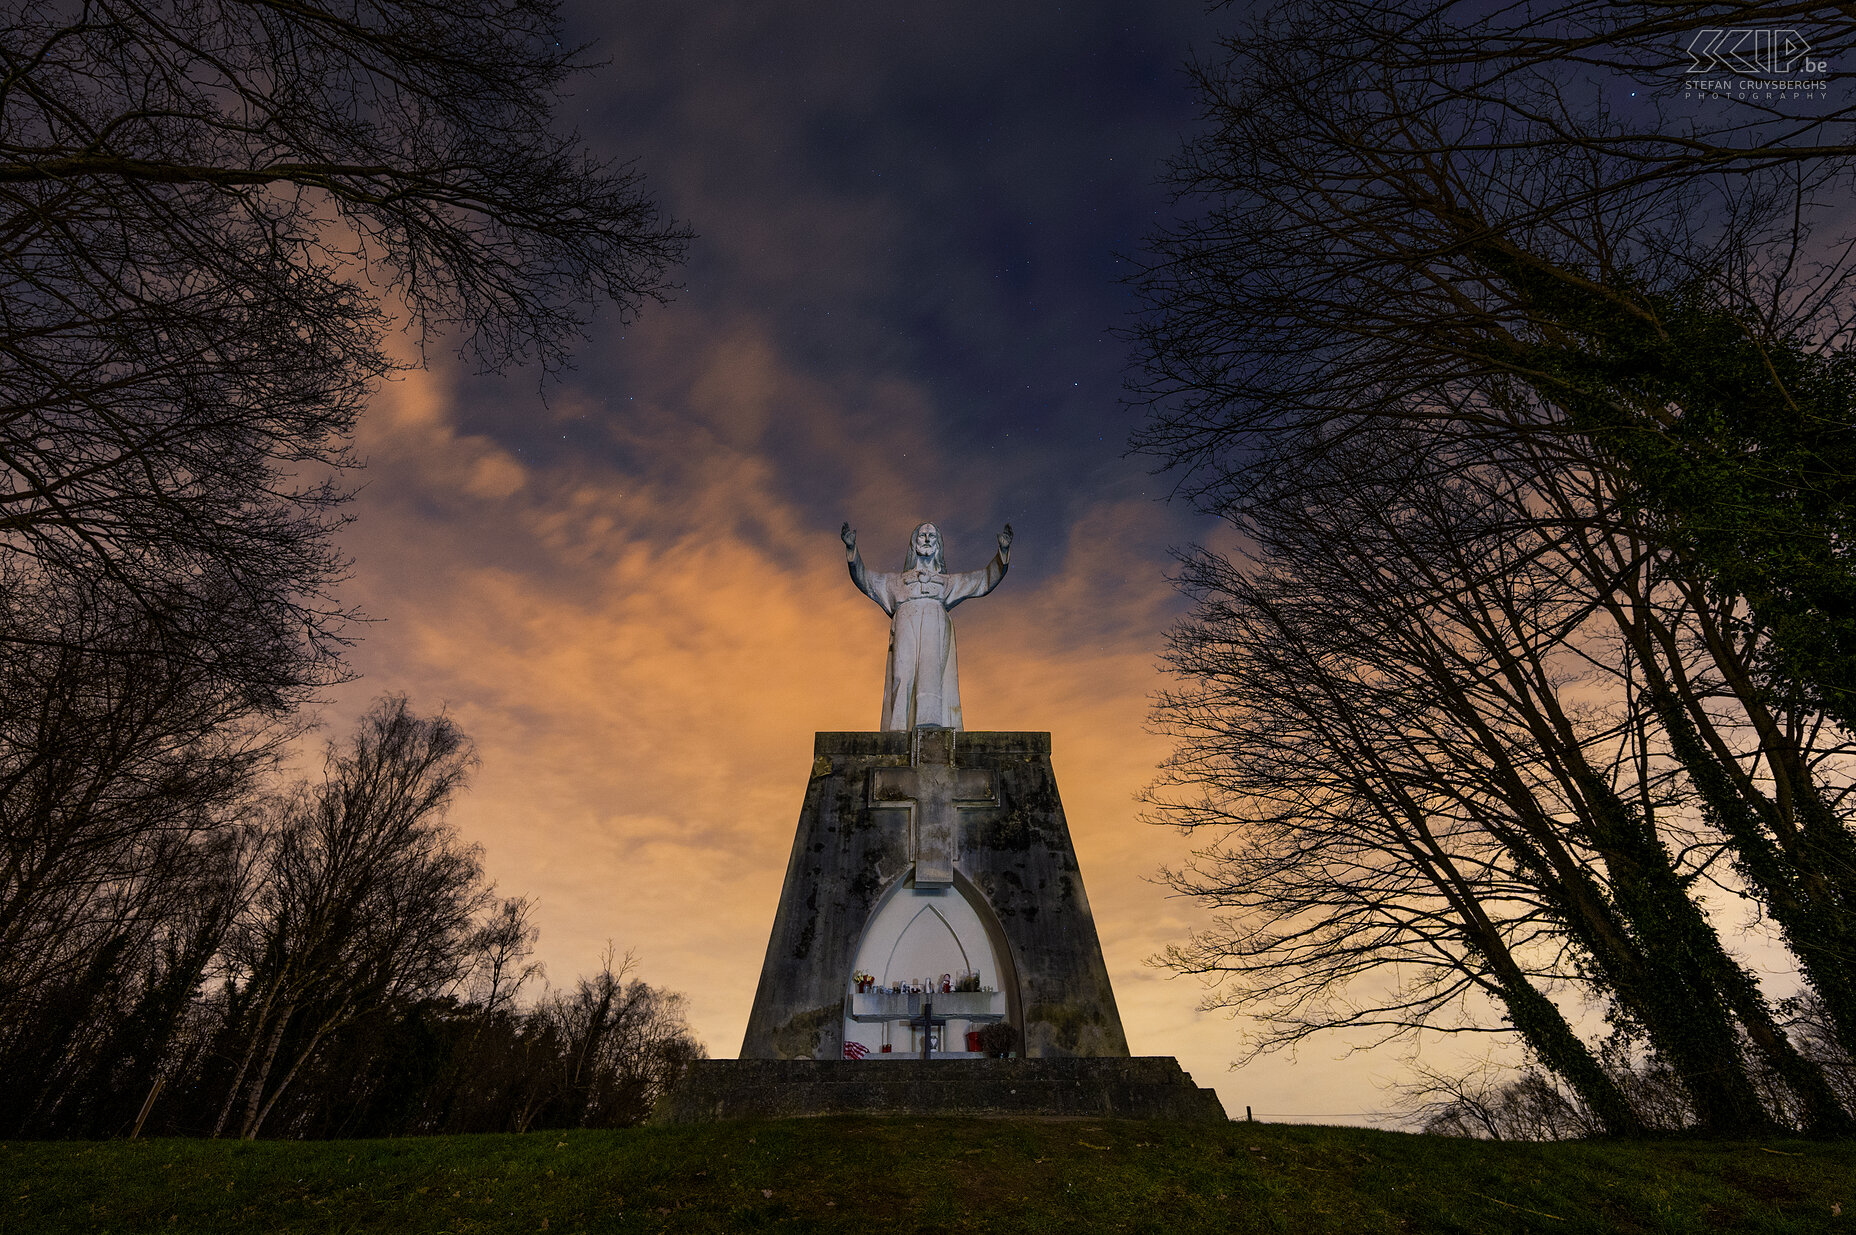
849,537
1005,541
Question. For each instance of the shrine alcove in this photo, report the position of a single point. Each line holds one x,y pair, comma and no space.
915,937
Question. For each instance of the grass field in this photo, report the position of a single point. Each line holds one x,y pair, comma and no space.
862,1175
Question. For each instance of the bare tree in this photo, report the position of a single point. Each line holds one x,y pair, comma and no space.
1767,772
1401,249
122,775
1376,244
624,1044
366,898
209,213
500,949
1388,713
1493,1103
187,953
1547,63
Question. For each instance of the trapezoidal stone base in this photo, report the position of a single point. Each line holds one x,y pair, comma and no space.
920,857
1148,1087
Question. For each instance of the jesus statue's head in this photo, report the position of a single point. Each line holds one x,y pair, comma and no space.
925,550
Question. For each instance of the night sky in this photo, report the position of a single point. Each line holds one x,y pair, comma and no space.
900,306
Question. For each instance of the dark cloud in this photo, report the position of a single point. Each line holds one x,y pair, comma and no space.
927,198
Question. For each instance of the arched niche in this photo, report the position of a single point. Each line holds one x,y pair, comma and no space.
918,934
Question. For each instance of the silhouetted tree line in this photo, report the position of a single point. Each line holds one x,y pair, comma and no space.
322,961
1530,1104
1529,667
210,216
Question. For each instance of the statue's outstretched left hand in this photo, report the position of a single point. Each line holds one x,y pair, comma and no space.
1005,540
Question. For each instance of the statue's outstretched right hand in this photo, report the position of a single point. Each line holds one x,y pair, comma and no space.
849,537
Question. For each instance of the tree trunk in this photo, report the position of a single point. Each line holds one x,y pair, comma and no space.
264,1072
251,1131
244,1063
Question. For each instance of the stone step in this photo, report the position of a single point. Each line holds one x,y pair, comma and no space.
1150,1087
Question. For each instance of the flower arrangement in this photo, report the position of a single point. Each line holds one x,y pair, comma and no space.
999,1039
862,981
968,981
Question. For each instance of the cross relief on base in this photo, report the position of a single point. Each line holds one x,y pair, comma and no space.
934,792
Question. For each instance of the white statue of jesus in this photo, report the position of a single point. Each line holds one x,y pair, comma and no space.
922,684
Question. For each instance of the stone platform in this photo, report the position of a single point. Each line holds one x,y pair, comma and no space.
1148,1087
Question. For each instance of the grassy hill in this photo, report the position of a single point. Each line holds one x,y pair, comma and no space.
863,1175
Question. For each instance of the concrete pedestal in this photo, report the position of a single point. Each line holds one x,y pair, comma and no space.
926,814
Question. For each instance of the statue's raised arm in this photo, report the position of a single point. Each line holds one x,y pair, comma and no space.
971,583
876,586
922,683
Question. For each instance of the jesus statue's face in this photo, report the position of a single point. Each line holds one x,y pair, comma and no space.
927,540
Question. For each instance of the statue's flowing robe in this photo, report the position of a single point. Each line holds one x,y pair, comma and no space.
922,683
